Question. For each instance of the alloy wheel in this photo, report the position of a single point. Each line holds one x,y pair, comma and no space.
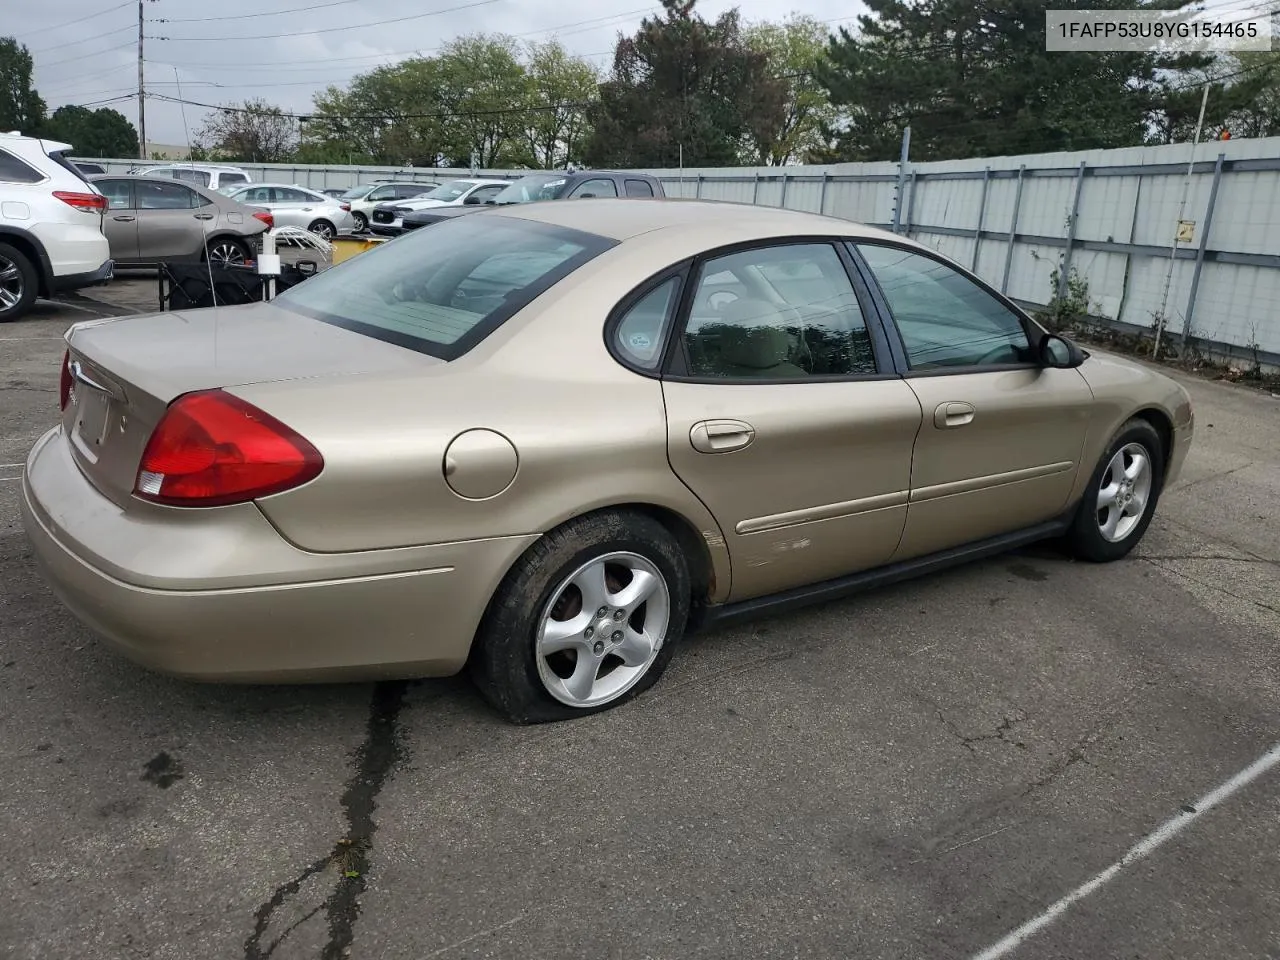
226,252
602,629
11,284
1124,492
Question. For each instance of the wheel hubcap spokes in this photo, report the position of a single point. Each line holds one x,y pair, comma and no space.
10,284
1124,492
225,253
602,630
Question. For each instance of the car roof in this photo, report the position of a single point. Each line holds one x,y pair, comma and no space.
623,218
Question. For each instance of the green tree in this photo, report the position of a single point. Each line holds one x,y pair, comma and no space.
21,108
793,49
559,89
387,116
93,133
250,132
481,81
1260,116
683,87
974,78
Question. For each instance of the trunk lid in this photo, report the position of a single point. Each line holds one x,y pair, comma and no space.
127,370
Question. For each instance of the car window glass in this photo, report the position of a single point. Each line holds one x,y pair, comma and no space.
118,193
254,195
785,312
432,288
638,188
383,193
481,194
946,320
599,187
288,195
201,177
13,170
407,190
641,333
163,196
228,178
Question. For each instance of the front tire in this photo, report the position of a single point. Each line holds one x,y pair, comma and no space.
1121,496
18,283
587,619
361,222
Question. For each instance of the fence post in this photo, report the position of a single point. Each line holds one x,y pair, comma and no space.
902,179
822,197
697,194
1204,242
755,191
782,201
1013,230
1071,233
982,216
911,204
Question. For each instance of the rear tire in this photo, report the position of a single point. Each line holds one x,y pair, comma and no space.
1121,497
550,650
18,283
323,229
226,250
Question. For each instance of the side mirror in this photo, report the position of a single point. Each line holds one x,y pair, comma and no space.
473,199
1059,352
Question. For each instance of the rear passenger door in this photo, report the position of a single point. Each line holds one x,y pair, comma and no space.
121,222
595,187
784,413
638,188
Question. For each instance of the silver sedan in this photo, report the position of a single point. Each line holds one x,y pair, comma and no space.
295,206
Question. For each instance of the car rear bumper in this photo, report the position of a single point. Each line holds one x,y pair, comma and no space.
92,278
158,585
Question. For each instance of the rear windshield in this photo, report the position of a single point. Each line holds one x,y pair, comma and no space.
442,289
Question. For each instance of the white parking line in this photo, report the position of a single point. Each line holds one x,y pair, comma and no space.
1162,834
20,339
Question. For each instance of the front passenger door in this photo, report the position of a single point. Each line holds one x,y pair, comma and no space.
1000,444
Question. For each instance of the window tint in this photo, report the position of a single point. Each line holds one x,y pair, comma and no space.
119,193
599,187
407,190
946,319
164,196
383,193
784,312
253,195
229,178
287,195
641,333
13,170
481,194
639,188
442,290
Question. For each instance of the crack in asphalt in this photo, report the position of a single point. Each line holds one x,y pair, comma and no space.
373,761
1006,725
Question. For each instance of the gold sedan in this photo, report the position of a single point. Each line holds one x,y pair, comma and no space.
547,441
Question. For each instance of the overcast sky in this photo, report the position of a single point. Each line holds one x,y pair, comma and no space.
286,50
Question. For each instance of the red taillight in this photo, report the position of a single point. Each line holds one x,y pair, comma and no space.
345,206
64,388
211,449
266,217
84,202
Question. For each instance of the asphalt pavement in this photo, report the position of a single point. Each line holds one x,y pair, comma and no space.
915,773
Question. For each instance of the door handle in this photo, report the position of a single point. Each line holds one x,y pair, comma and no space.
721,436
953,413
124,218
204,216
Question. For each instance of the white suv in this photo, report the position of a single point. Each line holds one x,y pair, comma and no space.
210,175
51,236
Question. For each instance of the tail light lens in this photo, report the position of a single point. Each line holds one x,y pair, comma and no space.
266,217
212,449
345,206
84,202
64,387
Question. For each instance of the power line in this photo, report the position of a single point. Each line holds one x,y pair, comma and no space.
72,23
346,29
249,16
72,43
86,56
440,115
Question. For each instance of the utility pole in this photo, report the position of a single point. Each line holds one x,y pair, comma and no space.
142,94
900,191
